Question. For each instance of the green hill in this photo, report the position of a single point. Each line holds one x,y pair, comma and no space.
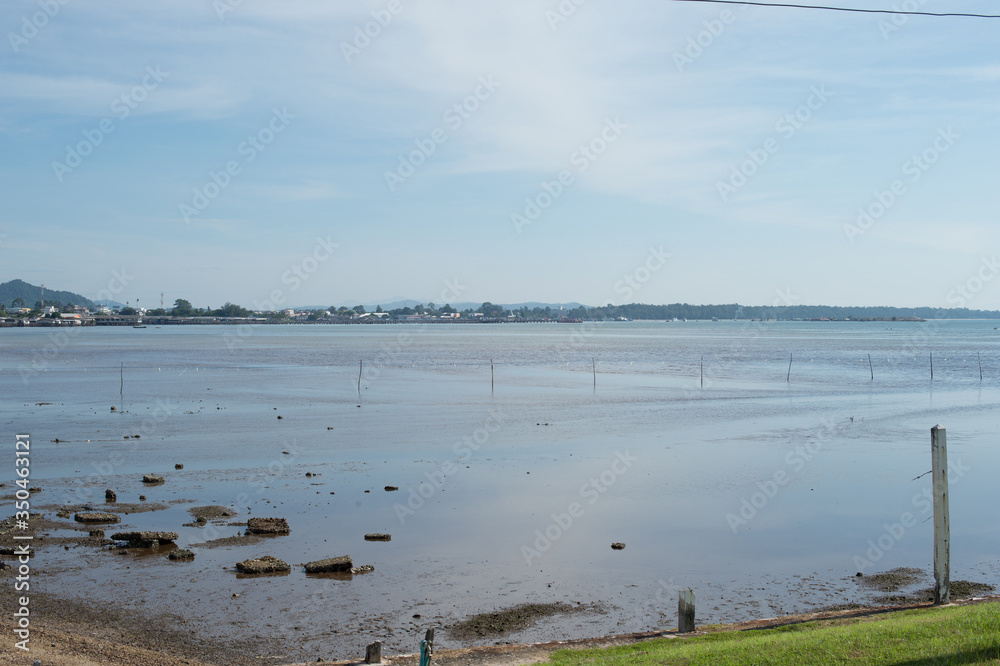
9,291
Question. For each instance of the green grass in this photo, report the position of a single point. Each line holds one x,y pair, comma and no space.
954,635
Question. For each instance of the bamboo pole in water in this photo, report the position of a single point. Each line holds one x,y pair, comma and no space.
870,368
980,359
788,377
121,388
703,372
491,375
932,365
594,363
361,366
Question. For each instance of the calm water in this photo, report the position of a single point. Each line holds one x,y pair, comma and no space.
514,494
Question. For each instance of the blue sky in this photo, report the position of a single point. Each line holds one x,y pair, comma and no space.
225,150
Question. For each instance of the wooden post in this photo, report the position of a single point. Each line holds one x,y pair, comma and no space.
788,377
685,611
942,530
121,389
594,363
870,368
703,372
373,653
932,365
980,359
361,366
491,375
427,648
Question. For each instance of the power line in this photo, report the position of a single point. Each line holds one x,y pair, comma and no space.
840,9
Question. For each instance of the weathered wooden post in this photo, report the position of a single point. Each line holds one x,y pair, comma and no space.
427,648
788,377
685,611
373,653
942,531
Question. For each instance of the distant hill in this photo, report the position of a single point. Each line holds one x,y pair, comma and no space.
32,294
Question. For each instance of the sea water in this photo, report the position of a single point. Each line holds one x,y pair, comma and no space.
762,464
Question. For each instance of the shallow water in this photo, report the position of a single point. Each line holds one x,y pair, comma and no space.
495,507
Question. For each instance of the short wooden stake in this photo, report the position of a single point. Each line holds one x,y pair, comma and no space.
427,648
361,366
932,365
594,363
685,611
870,368
703,372
980,359
942,530
788,377
491,375
373,653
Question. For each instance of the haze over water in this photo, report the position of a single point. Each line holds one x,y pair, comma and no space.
514,494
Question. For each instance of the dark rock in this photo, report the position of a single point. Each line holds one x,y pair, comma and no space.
390,489
203,513
378,537
96,517
181,554
267,526
330,565
110,496
179,466
618,545
363,569
152,479
142,498
144,536
266,564
97,534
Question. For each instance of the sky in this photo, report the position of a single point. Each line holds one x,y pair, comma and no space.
333,153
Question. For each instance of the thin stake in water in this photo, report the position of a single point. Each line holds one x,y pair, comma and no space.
361,366
788,377
980,358
932,365
870,368
702,372
594,363
491,375
121,388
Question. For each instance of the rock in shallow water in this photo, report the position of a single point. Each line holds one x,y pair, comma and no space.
265,564
331,565
267,526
